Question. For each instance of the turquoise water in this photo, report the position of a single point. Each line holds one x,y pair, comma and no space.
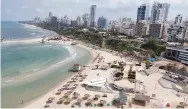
30,70
31,88
19,59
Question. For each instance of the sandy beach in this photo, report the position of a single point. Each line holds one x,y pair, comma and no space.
101,57
40,102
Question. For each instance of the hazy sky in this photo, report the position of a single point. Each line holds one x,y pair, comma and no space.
111,9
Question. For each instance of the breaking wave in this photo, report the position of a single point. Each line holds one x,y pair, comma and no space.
39,72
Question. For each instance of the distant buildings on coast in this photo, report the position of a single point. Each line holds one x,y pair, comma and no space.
151,21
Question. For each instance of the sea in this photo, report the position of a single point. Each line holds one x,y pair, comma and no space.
28,71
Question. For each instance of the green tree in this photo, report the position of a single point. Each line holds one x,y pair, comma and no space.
154,45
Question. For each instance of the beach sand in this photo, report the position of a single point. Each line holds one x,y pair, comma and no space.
41,101
151,83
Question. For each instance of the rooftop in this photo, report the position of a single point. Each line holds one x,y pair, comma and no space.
142,97
99,82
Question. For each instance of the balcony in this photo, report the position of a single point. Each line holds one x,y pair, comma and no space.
183,58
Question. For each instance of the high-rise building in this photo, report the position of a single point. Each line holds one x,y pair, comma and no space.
155,30
185,23
175,31
186,35
37,20
54,21
178,20
85,18
159,12
86,23
66,20
102,22
92,15
49,17
132,25
164,31
141,28
74,23
78,20
143,12
127,28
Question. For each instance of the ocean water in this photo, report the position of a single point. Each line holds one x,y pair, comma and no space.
15,30
20,59
30,70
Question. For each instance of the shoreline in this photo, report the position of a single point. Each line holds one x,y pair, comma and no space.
61,83
35,39
109,57
22,41
38,40
36,103
42,70
162,95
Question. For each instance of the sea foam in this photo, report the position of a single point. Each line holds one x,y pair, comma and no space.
29,26
38,72
33,33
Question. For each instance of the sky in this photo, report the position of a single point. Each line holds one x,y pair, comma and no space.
15,10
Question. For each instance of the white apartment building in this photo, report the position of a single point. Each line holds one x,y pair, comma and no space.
122,27
159,12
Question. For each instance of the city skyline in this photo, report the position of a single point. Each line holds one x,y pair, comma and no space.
106,8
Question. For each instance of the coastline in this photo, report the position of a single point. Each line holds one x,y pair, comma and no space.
38,40
61,83
92,74
40,101
22,41
163,95
43,70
